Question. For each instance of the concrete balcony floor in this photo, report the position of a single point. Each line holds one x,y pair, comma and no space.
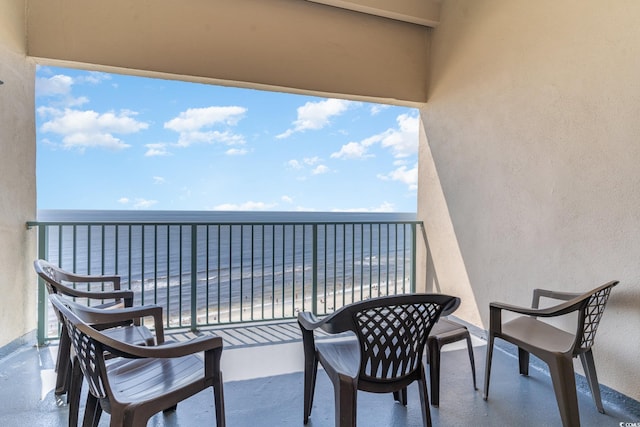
263,387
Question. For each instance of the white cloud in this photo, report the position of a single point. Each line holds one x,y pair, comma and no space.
316,115
320,169
287,199
246,206
294,164
94,77
89,129
195,119
384,207
158,180
311,160
55,85
404,175
378,108
236,152
307,161
59,87
193,125
352,150
403,141
144,203
189,138
138,203
156,149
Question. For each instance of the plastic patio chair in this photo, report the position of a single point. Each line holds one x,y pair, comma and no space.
59,281
445,331
386,357
552,345
142,380
97,317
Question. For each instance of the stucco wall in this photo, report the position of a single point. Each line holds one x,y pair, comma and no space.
299,45
17,177
530,162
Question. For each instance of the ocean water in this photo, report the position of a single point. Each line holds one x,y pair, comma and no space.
237,266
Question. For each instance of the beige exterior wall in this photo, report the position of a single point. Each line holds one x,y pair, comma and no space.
300,45
17,177
530,166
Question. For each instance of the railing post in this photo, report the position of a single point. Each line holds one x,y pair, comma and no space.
414,257
194,277
42,254
314,269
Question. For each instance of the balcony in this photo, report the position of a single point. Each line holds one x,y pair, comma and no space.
244,281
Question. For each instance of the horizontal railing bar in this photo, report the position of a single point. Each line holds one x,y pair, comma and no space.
31,224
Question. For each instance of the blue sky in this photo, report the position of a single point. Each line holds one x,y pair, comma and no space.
108,141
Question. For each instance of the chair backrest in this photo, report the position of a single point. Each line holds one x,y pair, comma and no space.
392,332
61,281
590,315
90,352
52,276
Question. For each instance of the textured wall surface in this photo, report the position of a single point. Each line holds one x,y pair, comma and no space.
530,161
300,45
17,177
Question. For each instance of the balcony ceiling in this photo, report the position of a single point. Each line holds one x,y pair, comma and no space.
362,49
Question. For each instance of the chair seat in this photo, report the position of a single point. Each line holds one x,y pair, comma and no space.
144,380
445,327
529,331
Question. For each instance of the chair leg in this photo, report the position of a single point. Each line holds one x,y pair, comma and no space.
92,412
424,399
310,374
523,361
434,371
75,390
63,363
218,397
170,409
487,369
564,385
400,396
345,401
471,360
592,378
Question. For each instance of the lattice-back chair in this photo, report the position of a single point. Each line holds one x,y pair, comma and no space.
127,332
386,357
59,281
552,345
143,380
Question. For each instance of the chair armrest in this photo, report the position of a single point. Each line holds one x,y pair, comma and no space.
125,295
564,296
164,351
96,316
334,323
556,310
81,278
308,321
495,312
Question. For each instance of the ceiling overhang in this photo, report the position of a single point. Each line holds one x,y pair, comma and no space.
361,49
421,12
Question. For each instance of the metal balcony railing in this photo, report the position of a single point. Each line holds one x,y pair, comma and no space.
211,273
